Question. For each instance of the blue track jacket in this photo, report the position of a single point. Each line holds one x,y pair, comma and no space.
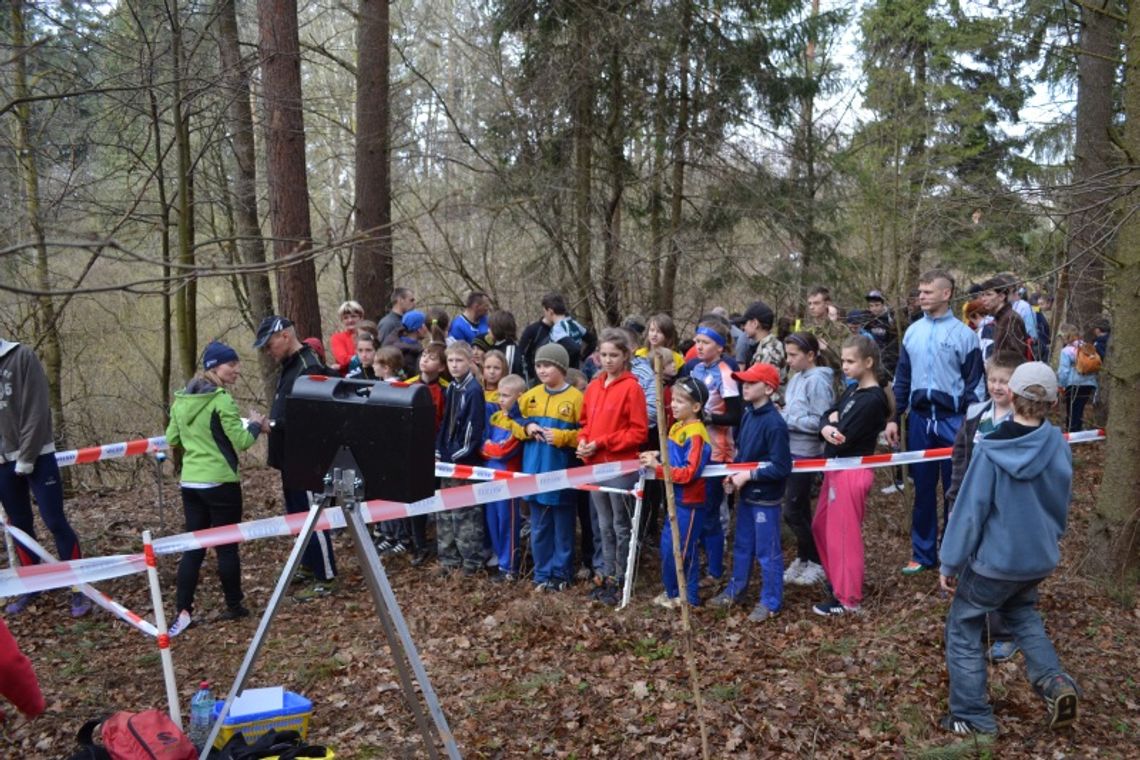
940,368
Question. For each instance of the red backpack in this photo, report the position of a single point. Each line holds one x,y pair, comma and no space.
147,735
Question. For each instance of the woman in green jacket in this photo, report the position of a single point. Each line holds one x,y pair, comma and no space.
205,423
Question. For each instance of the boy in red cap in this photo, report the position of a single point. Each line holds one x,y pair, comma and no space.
763,437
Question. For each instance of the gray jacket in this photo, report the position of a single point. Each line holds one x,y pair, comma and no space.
25,416
808,395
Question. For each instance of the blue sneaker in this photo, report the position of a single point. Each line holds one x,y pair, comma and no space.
1003,651
20,603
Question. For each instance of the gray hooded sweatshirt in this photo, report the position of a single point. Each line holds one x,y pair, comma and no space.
25,416
808,395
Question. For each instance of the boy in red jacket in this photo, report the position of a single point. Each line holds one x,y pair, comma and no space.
18,681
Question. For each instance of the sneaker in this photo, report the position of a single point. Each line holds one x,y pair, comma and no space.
234,613
183,622
666,601
492,561
80,604
1003,651
20,603
811,574
550,586
760,613
914,568
302,577
1060,695
893,488
709,581
792,573
503,577
383,545
962,727
394,548
834,608
610,595
420,557
722,600
584,574
316,590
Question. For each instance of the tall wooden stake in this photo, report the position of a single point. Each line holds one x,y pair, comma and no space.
678,559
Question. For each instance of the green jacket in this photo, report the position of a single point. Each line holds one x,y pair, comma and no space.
204,421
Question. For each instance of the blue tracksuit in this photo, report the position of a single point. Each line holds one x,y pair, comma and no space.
763,437
503,451
939,375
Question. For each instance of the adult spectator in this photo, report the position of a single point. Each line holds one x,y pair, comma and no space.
542,331
830,333
883,329
1009,328
343,343
206,425
1022,308
1042,304
403,301
504,334
757,324
938,377
277,337
28,466
1101,330
470,323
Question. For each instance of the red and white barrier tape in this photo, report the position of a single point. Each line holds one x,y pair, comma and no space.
64,574
61,574
471,472
110,451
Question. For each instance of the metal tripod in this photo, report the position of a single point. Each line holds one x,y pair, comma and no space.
344,488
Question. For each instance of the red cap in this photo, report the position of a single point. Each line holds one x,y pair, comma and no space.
759,373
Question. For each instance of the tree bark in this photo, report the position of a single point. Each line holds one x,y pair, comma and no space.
680,141
186,299
1091,221
46,317
1114,531
615,138
373,267
280,50
583,168
247,223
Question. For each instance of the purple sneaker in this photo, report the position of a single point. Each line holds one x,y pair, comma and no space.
80,604
19,604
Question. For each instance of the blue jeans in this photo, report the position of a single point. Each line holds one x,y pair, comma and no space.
922,434
757,539
976,596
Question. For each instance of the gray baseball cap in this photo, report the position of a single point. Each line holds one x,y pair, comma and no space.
1031,374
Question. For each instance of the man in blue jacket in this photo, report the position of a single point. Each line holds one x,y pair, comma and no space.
938,376
1001,541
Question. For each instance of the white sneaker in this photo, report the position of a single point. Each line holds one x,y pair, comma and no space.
811,574
183,622
792,574
893,488
663,600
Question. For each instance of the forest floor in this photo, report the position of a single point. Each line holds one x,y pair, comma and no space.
524,674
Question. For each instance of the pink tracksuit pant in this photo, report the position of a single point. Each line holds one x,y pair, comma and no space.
838,531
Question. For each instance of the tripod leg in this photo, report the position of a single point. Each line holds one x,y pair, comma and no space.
315,511
399,638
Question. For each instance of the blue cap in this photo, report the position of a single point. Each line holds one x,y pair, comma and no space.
217,353
269,327
413,320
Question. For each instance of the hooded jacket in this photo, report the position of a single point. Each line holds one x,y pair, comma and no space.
25,416
808,395
1012,507
204,421
614,416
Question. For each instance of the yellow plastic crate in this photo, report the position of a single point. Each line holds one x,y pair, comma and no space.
293,716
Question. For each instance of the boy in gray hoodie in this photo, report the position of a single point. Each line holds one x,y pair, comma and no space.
1001,541
27,463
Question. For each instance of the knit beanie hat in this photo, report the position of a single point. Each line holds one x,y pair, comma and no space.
553,353
217,353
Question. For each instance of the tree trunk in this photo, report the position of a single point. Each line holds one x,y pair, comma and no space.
373,268
916,169
680,140
1090,225
583,169
656,189
187,295
239,113
1114,532
615,137
280,50
47,328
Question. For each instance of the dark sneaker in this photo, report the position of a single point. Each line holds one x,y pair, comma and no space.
761,613
384,545
1060,695
316,590
550,586
722,600
234,613
80,604
1003,651
610,595
394,549
962,727
20,603
420,557
834,608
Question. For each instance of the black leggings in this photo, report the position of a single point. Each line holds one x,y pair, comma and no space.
797,513
209,508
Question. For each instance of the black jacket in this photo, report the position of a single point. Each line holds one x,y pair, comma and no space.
304,362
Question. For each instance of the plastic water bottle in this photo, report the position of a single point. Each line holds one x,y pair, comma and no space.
201,707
